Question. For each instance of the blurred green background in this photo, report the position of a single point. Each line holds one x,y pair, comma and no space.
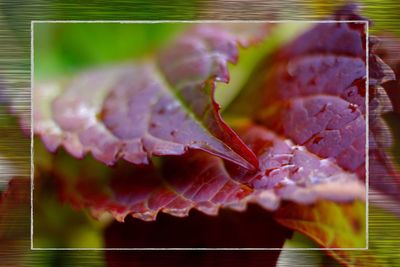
64,48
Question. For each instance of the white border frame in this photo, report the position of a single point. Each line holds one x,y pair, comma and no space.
366,22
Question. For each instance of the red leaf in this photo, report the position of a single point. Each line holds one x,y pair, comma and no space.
205,182
316,93
328,126
160,107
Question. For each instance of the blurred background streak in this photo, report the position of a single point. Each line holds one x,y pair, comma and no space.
15,65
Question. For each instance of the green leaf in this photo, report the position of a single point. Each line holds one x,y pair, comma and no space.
338,222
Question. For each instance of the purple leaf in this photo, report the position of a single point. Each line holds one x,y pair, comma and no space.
205,182
160,107
315,94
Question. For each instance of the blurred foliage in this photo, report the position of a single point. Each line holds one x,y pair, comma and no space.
13,144
59,258
384,240
65,48
310,258
331,225
393,119
382,13
56,224
383,244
